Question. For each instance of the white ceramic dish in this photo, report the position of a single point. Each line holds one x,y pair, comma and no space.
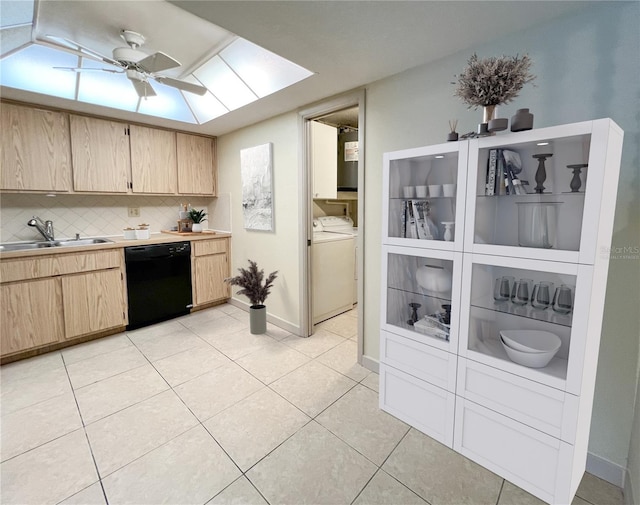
529,359
532,341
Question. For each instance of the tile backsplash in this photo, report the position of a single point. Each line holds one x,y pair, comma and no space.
94,215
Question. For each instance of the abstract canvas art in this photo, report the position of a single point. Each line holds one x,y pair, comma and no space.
257,194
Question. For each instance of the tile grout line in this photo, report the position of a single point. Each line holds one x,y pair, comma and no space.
500,492
86,435
392,476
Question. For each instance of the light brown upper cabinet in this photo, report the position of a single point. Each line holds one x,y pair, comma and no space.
196,165
100,151
35,149
153,160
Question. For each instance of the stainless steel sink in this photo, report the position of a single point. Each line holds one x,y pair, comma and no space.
82,241
27,246
21,246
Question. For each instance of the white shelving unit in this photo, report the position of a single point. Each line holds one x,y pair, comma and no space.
529,425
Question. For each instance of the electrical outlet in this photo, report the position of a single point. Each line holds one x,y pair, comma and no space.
133,211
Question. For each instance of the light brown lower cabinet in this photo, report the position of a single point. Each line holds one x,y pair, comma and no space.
31,315
60,297
92,302
210,269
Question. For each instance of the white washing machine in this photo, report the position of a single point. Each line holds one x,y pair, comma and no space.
333,264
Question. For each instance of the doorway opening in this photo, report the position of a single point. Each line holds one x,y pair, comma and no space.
333,203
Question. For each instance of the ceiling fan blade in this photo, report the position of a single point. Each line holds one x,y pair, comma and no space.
158,62
82,69
183,85
143,88
80,49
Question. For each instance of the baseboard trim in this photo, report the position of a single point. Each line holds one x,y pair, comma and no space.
370,364
628,490
280,323
606,470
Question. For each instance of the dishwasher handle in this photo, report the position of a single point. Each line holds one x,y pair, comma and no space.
154,252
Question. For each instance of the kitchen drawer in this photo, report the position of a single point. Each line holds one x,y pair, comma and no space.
433,365
544,408
532,460
204,247
424,406
59,264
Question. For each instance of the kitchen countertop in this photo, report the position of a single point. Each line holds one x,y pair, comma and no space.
119,242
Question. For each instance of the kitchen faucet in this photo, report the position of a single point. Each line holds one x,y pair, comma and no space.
45,228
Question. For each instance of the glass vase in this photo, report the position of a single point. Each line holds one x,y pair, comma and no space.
489,112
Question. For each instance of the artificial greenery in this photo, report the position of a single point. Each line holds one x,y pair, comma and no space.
197,216
250,280
493,81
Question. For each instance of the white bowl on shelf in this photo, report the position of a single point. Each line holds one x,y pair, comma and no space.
529,359
532,341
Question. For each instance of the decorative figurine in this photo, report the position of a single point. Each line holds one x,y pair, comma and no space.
541,173
575,181
414,313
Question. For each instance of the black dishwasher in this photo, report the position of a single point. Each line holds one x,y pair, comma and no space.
158,282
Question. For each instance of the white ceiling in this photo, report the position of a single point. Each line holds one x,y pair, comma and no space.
346,43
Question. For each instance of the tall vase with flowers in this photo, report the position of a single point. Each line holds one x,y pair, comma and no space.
489,82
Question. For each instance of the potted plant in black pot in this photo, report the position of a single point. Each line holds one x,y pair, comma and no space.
197,216
251,281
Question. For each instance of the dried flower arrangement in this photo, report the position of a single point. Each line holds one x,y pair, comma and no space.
250,280
493,81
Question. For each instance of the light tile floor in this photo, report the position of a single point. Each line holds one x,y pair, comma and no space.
197,410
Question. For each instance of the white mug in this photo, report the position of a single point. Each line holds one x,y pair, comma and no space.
449,189
421,191
409,191
435,190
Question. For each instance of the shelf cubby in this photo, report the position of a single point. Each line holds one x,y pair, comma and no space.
423,190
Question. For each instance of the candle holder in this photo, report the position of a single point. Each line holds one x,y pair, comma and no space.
576,182
541,173
414,313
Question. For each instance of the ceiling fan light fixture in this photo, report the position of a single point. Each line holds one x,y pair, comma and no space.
133,39
134,75
128,55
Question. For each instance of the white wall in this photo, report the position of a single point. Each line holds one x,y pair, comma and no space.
276,250
587,68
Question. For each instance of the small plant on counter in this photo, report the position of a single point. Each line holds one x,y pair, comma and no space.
197,216
250,280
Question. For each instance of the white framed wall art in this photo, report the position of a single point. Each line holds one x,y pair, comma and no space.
256,167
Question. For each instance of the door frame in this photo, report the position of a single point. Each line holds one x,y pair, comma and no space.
305,116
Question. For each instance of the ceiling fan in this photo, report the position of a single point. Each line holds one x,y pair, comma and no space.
138,66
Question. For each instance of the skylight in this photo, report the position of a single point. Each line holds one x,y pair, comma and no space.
32,69
240,73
